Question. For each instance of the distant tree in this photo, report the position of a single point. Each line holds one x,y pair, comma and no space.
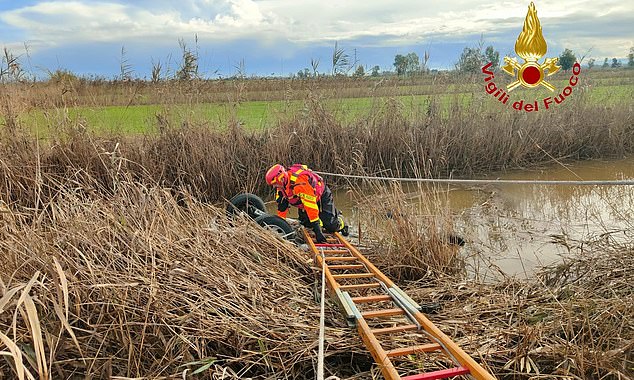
303,73
400,64
567,59
630,58
359,72
413,64
471,60
406,64
591,63
493,56
605,64
615,63
375,71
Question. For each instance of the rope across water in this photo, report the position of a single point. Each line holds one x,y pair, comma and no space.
487,181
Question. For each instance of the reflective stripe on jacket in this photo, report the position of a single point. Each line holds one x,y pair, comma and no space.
304,190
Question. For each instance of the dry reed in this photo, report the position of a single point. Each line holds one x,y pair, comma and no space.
213,162
411,234
146,284
114,266
571,321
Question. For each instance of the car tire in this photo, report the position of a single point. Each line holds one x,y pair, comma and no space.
277,225
248,203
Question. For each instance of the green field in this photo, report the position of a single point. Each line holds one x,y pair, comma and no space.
347,109
251,114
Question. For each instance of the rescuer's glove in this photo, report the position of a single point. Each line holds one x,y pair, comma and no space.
282,202
319,236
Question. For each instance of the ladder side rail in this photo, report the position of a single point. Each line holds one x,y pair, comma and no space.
477,371
464,359
368,264
378,353
332,283
330,280
372,344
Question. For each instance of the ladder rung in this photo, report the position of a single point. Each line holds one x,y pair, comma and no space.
413,349
389,330
382,313
348,266
349,263
442,374
367,299
341,258
360,286
353,275
334,251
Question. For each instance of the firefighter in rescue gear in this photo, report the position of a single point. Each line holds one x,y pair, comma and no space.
301,187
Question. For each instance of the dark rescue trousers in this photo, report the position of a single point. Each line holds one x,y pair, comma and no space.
329,215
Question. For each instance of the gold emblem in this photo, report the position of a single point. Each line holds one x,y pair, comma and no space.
531,46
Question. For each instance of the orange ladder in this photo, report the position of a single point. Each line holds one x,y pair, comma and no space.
343,263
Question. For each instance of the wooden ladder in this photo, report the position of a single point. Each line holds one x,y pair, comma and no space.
348,271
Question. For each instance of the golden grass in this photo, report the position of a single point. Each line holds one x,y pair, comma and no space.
140,286
411,234
150,283
571,321
212,162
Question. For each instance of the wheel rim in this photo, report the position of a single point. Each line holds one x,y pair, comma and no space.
253,211
277,230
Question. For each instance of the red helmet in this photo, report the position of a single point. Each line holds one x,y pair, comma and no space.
277,176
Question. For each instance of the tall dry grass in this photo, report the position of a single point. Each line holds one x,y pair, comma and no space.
64,89
213,161
68,90
146,284
571,321
409,232
115,267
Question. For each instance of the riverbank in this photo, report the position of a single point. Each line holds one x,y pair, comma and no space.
148,284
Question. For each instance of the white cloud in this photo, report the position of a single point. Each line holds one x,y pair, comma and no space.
74,21
305,22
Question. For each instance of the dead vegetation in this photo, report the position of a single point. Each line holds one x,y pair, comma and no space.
571,321
149,283
212,162
113,265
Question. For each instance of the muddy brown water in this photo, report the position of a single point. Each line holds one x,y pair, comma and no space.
515,229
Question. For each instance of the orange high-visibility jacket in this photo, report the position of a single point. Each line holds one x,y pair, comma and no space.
303,190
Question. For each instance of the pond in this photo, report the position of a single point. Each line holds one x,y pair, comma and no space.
521,227
512,229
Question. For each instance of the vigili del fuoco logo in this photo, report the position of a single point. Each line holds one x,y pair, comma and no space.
530,47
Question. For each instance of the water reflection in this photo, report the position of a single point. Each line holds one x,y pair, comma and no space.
515,228
537,223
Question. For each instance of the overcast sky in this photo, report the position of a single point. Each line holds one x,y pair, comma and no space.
281,36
